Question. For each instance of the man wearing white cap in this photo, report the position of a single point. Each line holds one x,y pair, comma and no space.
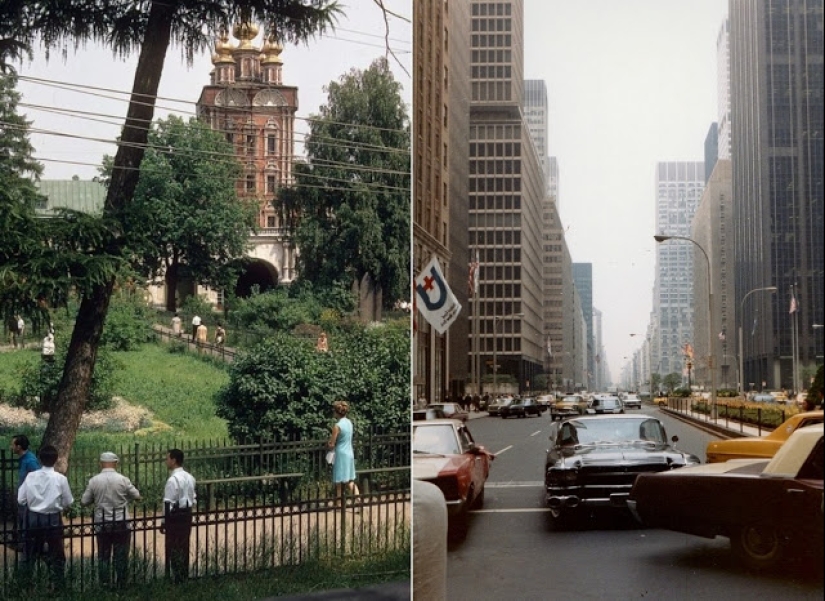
111,493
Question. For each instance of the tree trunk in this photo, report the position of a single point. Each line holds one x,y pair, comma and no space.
80,362
171,281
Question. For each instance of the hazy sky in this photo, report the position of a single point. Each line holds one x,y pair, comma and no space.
357,41
629,83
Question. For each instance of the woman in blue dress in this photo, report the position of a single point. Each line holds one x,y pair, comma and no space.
343,466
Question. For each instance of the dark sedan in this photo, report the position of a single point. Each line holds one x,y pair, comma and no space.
768,509
521,408
593,460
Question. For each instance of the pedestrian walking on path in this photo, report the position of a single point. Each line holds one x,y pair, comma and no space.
178,500
343,466
196,321
177,326
111,492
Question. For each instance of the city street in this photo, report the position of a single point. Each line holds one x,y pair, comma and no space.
512,552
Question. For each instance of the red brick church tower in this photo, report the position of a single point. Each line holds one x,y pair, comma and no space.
247,101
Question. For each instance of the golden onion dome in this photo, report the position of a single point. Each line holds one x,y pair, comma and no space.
245,32
223,49
271,52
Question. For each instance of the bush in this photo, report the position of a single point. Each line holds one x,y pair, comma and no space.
128,323
283,388
681,393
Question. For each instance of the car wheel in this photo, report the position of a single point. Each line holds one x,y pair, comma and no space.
758,546
458,526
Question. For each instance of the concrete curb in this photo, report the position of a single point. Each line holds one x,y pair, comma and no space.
393,591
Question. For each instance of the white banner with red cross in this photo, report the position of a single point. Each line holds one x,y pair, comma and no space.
434,299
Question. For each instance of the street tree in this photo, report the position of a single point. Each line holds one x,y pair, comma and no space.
186,214
671,381
349,210
147,27
655,382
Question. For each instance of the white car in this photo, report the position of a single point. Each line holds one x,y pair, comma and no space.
632,401
606,404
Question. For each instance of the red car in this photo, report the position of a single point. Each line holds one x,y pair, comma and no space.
445,454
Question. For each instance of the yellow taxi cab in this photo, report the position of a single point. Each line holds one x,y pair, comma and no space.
760,447
661,401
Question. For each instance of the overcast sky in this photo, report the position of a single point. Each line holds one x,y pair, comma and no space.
357,41
629,83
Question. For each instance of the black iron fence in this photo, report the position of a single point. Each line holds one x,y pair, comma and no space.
241,536
289,469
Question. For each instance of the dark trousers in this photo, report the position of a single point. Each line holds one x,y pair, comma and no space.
113,540
43,537
178,533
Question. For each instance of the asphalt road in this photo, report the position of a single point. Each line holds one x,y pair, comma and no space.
511,551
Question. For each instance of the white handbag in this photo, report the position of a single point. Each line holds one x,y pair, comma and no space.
330,457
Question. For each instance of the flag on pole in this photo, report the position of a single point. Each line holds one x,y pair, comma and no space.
472,277
794,305
436,302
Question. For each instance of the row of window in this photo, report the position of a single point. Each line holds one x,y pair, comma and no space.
492,9
493,167
491,40
492,25
499,237
495,202
495,184
491,56
493,149
492,72
492,91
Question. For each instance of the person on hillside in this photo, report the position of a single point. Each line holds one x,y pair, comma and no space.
47,350
201,334
322,346
220,336
111,492
343,467
27,463
178,500
21,328
11,325
196,321
46,495
177,329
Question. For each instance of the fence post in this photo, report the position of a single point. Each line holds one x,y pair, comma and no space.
759,420
137,464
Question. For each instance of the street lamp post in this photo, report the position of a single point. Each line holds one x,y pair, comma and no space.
711,358
496,321
741,341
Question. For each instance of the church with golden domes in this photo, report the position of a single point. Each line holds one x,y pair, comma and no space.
247,101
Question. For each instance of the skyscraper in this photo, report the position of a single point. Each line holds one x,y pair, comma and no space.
723,90
776,57
506,188
583,278
679,188
537,118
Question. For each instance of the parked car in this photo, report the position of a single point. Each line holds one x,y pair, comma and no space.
494,408
445,454
768,508
760,447
428,413
545,401
761,397
594,460
521,408
571,404
632,401
452,410
661,400
606,404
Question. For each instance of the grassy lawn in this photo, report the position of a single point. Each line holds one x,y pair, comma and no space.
177,388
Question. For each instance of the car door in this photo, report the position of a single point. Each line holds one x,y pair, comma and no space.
480,461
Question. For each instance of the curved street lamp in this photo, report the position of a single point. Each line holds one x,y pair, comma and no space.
741,341
711,358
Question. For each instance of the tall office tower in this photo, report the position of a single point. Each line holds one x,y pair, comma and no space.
506,187
679,188
440,163
553,255
537,117
553,182
723,89
711,149
248,101
583,278
599,360
776,52
713,230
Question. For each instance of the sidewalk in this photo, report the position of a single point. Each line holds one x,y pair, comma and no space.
723,427
393,591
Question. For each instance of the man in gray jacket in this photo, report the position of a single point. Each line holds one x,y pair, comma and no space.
111,493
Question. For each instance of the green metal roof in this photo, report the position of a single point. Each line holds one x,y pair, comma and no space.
86,196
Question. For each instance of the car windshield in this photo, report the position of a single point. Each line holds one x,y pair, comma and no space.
610,430
570,399
437,439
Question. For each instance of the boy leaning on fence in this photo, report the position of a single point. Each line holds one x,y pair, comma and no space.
111,493
178,500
